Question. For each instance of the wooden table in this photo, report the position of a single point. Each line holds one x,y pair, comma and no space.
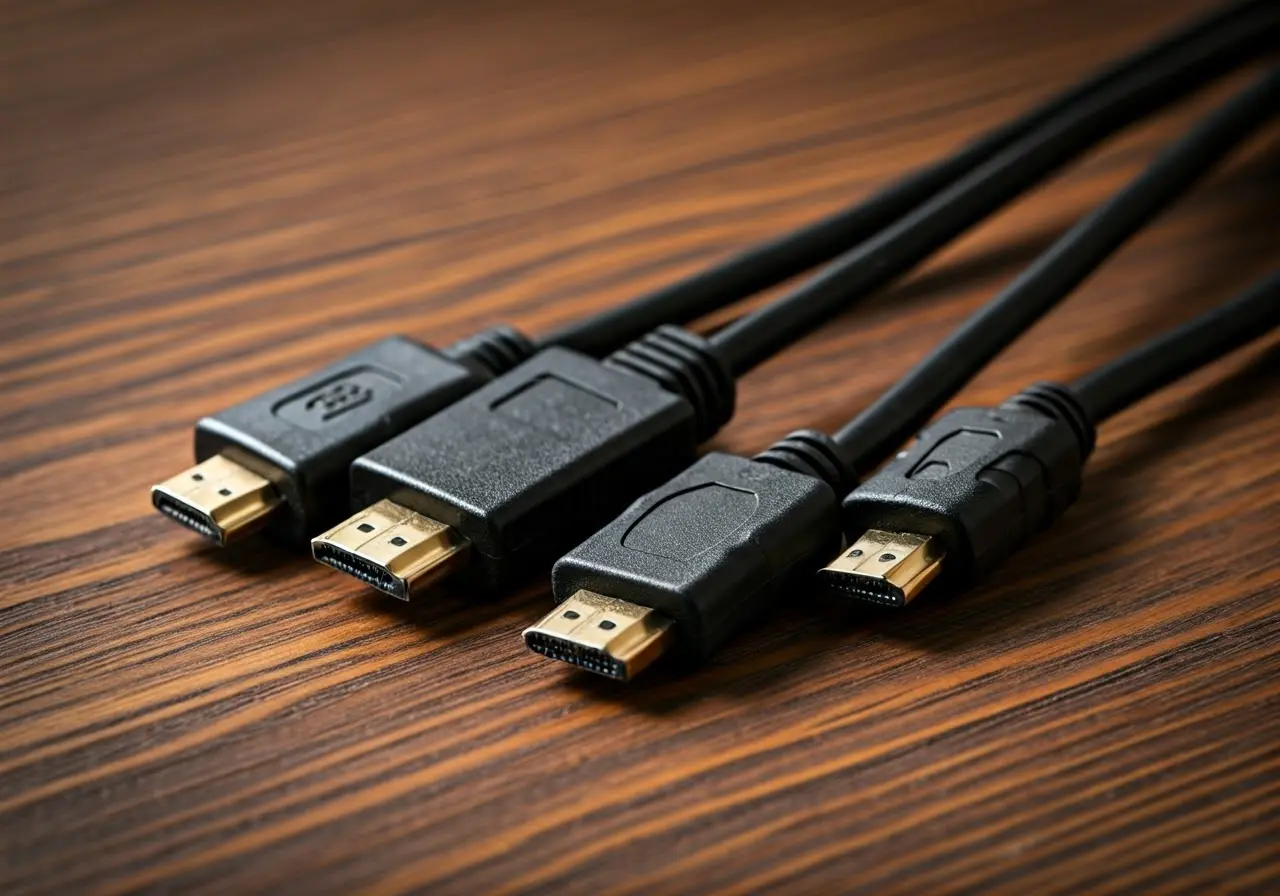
203,200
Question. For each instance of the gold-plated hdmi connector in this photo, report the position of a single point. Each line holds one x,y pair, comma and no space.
885,567
610,637
392,548
218,498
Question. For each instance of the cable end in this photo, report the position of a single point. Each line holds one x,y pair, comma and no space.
394,549
218,498
888,568
604,635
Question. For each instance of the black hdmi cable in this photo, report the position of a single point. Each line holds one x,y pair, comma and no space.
504,480
979,482
689,563
279,461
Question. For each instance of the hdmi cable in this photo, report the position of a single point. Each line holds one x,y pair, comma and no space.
503,481
979,482
689,563
279,462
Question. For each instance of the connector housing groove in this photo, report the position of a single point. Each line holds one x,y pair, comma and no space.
684,364
812,453
493,352
1059,403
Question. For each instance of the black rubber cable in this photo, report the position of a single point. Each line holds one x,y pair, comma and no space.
1171,356
755,337
777,260
908,405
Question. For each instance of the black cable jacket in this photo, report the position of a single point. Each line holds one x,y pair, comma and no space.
777,260
907,406
755,337
1171,356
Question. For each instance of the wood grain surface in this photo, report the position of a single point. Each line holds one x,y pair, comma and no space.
203,200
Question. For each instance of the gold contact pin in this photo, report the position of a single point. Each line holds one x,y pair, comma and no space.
610,637
394,549
218,498
885,567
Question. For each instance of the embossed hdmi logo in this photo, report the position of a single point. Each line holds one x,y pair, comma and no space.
337,396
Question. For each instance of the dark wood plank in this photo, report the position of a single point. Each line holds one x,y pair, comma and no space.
203,200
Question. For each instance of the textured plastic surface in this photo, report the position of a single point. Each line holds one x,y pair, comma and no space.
711,547
981,480
531,463
303,436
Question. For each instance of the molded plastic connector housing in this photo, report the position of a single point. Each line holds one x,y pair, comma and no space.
710,548
981,481
531,463
303,436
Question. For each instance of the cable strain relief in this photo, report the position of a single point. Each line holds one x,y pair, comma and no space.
812,453
1060,403
687,365
492,352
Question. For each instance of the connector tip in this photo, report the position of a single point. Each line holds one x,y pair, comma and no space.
394,549
604,635
887,568
218,498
